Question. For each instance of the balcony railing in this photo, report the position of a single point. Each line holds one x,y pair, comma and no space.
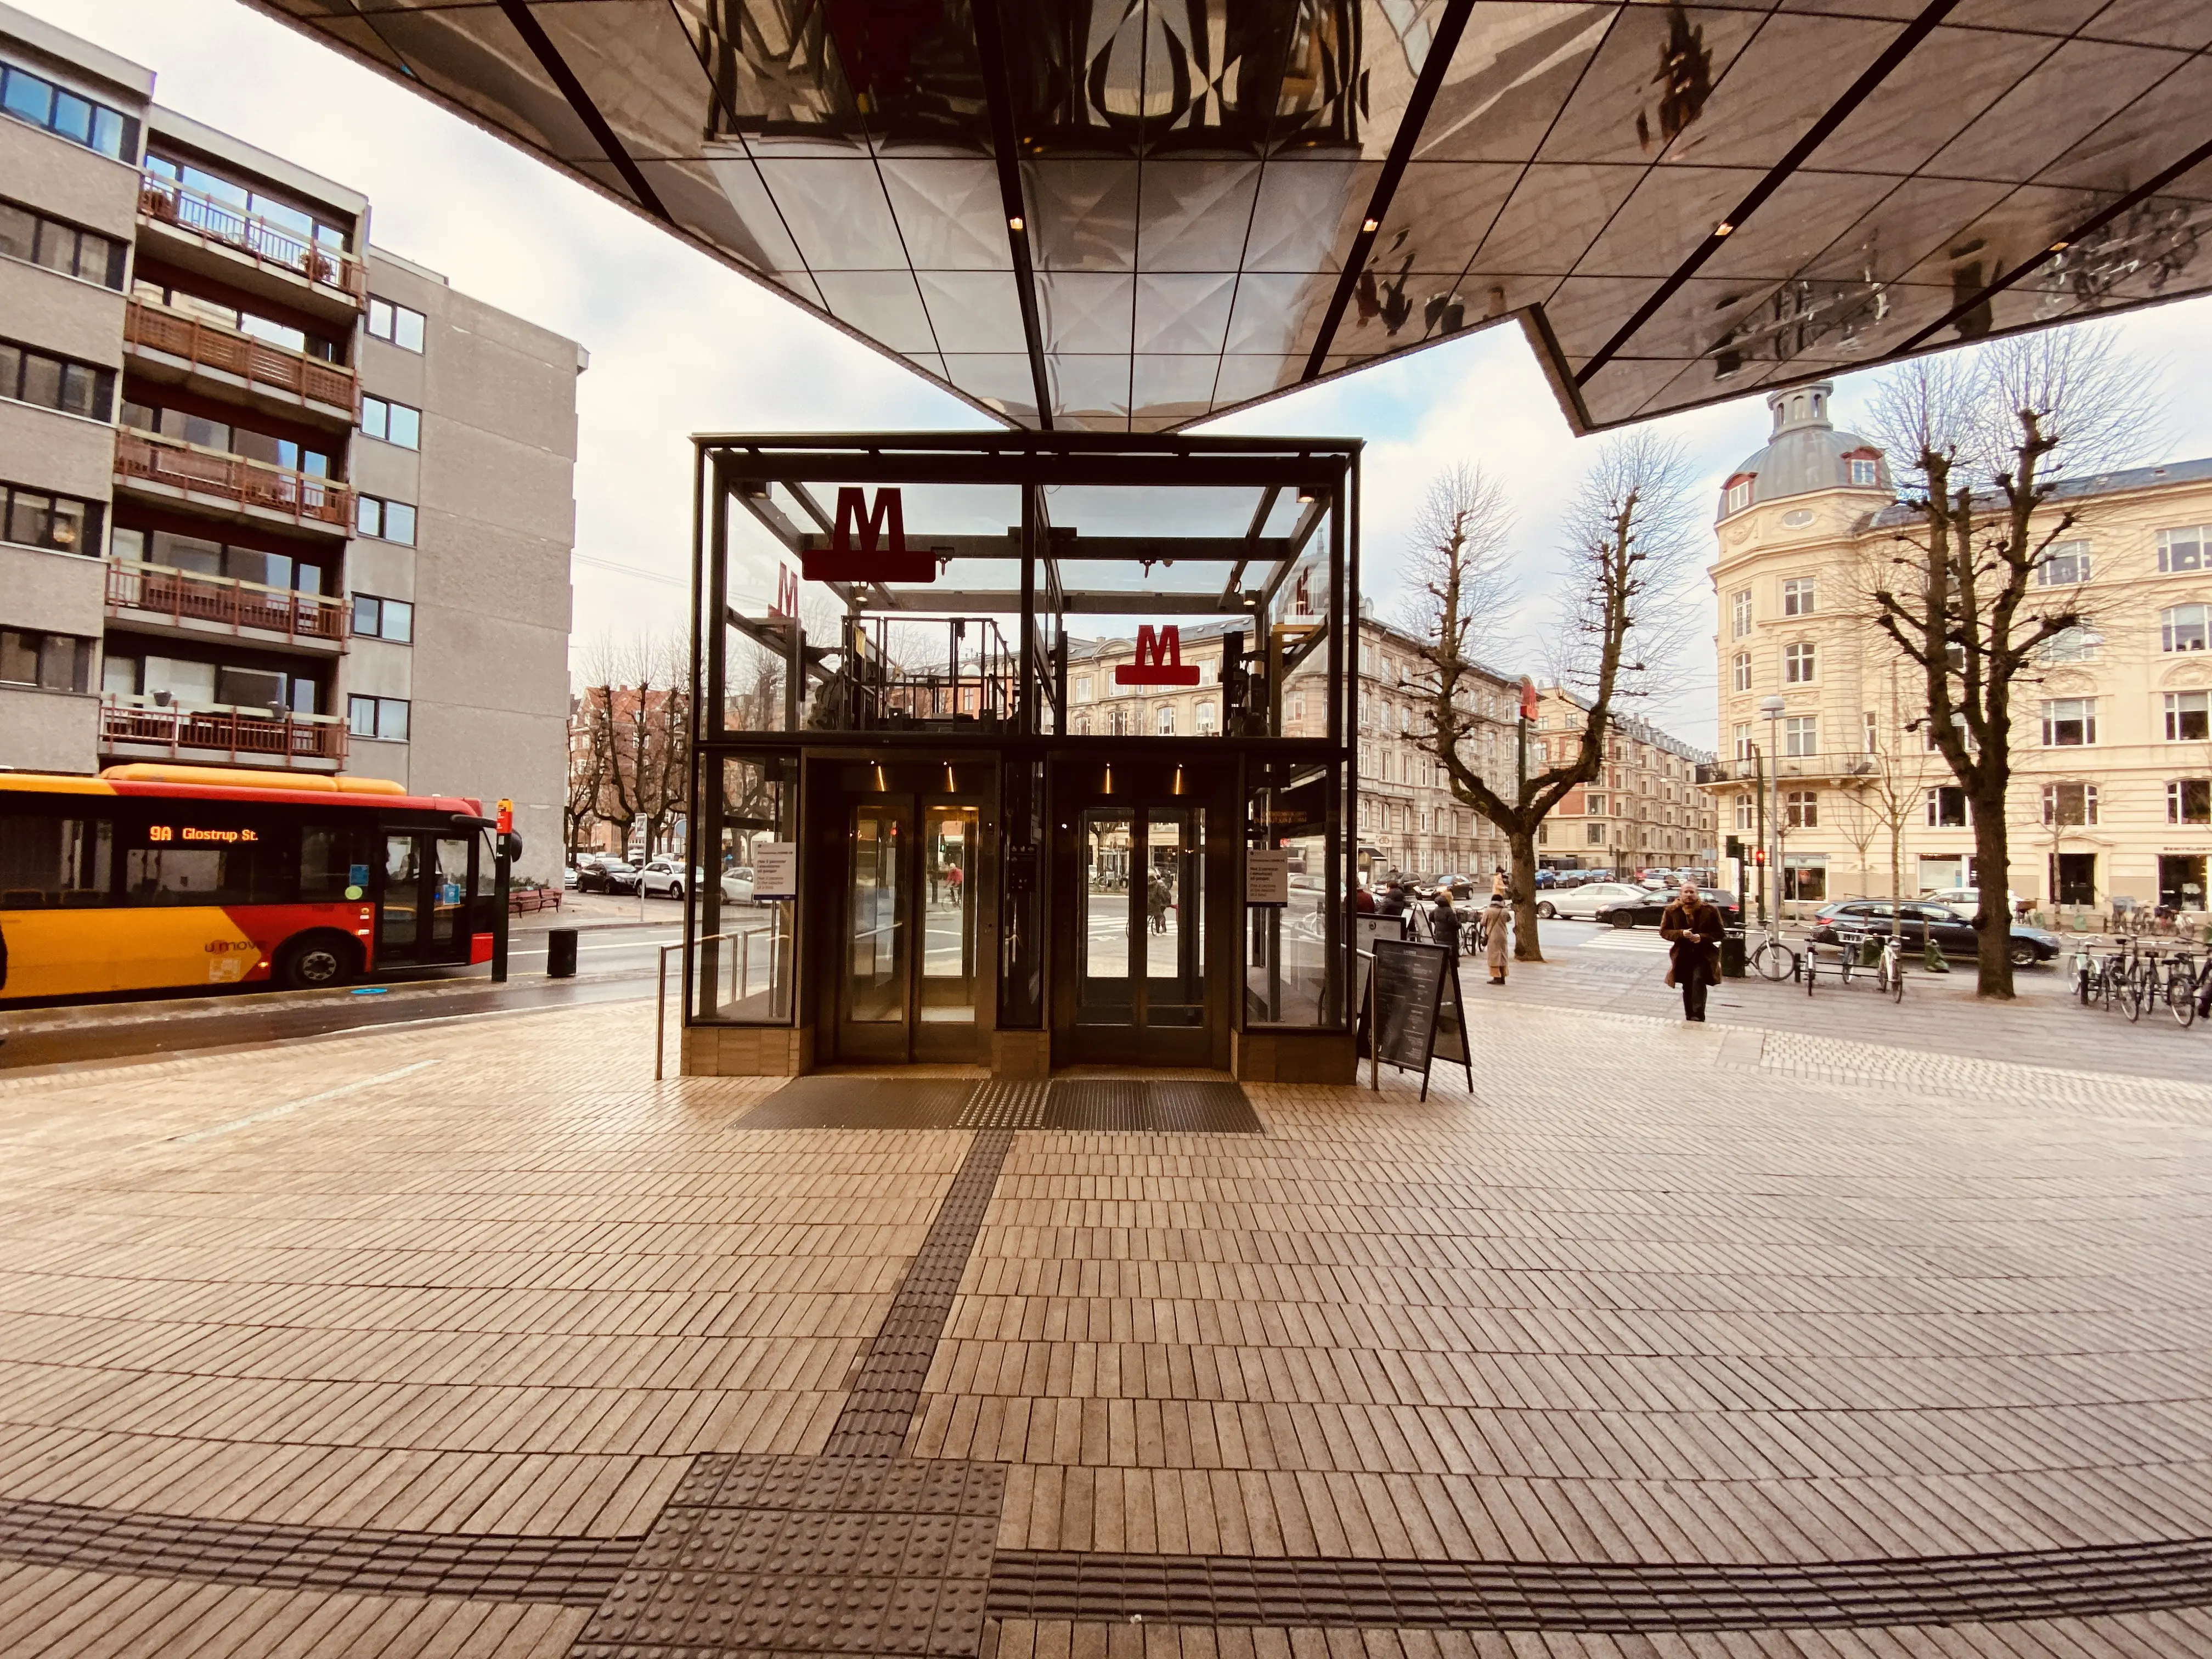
205,345
1790,766
198,214
301,496
236,734
161,590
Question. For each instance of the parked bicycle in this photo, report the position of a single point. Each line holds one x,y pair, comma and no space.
1871,955
1771,958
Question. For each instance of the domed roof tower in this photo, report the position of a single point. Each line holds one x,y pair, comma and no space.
1805,452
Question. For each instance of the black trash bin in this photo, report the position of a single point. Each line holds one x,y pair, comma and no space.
1732,953
561,953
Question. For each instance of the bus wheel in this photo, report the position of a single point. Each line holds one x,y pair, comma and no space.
313,961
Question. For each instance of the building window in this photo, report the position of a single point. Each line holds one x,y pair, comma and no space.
1745,812
2189,800
51,382
51,662
1166,718
59,247
1082,725
203,557
375,618
205,432
388,521
1947,807
1799,597
1298,707
2188,717
2184,550
2070,803
2064,564
1797,663
1742,741
1805,877
1864,473
32,98
1596,834
1800,735
395,323
1740,672
1872,733
1800,809
1083,688
1740,614
1203,719
1594,805
2181,628
2071,722
378,717
2076,644
1739,495
32,517
395,423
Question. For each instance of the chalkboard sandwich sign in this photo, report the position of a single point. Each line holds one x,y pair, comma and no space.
1398,1017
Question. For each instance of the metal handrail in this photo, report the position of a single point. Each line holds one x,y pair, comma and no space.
198,213
743,940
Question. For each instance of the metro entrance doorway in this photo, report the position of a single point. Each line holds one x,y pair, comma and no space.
909,974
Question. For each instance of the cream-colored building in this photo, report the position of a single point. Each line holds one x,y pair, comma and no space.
2112,739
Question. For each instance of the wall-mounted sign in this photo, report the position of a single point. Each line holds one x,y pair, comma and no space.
1267,875
775,870
1159,660
867,544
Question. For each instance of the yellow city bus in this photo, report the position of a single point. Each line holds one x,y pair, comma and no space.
152,878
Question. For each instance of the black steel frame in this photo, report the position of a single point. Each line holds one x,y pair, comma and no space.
1326,470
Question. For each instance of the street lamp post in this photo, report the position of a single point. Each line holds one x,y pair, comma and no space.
1771,707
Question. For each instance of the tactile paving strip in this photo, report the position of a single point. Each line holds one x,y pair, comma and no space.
809,1555
831,1101
573,1571
1598,1597
889,1386
1006,1106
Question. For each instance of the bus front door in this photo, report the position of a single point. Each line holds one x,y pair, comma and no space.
422,915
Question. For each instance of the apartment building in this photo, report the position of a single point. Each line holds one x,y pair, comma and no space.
2112,735
1644,809
270,497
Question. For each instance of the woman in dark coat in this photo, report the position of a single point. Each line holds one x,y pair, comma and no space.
1695,926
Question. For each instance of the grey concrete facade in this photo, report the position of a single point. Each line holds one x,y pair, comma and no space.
215,610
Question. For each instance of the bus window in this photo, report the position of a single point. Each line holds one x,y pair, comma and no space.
395,925
187,863
333,863
450,887
47,861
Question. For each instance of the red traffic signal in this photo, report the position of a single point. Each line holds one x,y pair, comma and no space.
1758,855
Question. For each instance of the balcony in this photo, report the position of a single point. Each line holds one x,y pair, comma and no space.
169,470
139,728
185,602
170,347
199,231
1840,767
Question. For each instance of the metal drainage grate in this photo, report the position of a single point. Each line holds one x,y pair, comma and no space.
1509,1595
360,1561
1150,1105
1005,1106
830,1101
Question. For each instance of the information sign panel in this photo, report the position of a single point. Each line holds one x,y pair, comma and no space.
775,870
1267,875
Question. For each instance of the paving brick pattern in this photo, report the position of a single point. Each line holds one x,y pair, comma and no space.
1652,1297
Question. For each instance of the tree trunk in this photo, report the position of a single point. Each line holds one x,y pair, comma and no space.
1992,877
1521,880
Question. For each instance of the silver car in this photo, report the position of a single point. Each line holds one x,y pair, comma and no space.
1584,903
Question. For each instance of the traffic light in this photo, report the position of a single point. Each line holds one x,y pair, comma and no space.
1734,846
1758,855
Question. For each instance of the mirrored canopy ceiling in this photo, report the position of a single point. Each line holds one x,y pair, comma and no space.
1131,215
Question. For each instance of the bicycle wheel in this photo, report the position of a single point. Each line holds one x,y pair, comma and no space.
1894,972
2130,995
1774,960
2181,996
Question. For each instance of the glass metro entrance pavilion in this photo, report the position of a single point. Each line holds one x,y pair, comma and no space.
1102,224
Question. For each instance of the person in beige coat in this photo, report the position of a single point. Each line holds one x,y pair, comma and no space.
1496,938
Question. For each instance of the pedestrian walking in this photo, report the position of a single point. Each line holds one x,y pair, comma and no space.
1695,926
1394,899
1157,900
1497,937
1443,923
1497,885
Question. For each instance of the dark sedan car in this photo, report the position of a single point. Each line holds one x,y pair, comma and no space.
606,876
1645,912
1955,932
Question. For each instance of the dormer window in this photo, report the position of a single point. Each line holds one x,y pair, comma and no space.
1863,474
1739,494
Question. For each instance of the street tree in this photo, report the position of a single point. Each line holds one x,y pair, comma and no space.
1982,445
1630,535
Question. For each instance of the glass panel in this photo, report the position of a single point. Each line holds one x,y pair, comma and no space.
745,953
1174,912
46,861
1287,947
948,948
1108,838
449,888
396,922
876,990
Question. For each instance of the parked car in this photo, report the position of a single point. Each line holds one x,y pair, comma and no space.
1645,909
569,877
663,878
738,886
1547,878
1916,920
1582,903
605,875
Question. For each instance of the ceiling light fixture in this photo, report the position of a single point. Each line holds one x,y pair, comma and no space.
1370,226
1723,229
1014,224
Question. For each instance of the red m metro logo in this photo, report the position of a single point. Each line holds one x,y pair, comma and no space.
1159,660
882,555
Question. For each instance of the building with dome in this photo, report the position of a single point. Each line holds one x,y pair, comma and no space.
2112,792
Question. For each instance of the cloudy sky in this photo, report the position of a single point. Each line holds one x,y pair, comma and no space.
680,345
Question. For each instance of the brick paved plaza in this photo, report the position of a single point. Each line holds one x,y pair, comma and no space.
471,1339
